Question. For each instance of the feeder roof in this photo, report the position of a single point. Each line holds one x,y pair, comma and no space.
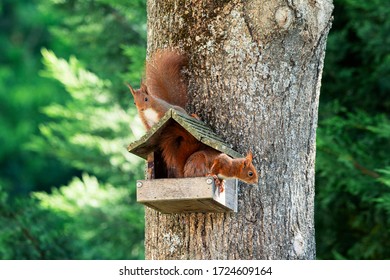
203,133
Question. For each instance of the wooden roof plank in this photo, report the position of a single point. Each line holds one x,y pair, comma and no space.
197,128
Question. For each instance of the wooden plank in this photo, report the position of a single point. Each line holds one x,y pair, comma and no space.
174,189
197,128
187,206
185,195
204,133
148,142
230,196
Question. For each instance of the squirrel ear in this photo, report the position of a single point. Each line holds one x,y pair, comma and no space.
249,156
248,159
131,89
144,88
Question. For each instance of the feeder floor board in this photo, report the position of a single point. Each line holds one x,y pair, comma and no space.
183,195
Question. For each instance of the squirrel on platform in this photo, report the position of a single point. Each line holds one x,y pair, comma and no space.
209,162
164,87
183,154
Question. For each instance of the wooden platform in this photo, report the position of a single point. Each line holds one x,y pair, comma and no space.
185,195
182,195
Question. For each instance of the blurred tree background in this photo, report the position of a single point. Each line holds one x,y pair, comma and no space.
353,140
66,119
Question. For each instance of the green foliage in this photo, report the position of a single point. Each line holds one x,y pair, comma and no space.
89,132
109,36
23,31
383,201
66,120
358,55
29,231
352,201
103,220
84,220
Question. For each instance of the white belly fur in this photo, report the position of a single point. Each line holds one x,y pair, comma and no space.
151,116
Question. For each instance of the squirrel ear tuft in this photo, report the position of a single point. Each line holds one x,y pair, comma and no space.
248,159
249,156
144,88
131,89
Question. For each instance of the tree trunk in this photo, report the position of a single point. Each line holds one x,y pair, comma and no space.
254,77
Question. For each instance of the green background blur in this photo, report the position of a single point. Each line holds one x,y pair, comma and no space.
66,118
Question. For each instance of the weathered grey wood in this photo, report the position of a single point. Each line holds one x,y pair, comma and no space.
254,77
149,141
182,195
185,195
201,131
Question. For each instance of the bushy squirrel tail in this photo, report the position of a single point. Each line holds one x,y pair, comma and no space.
164,78
177,145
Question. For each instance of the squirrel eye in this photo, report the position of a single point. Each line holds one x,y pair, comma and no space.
250,173
146,99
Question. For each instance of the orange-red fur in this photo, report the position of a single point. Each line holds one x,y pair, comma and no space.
144,101
164,87
177,145
210,161
164,78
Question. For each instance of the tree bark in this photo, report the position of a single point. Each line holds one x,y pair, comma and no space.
254,77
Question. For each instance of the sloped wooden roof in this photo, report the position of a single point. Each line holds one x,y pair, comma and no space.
149,142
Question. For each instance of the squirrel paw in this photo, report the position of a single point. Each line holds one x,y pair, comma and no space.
195,116
219,183
221,186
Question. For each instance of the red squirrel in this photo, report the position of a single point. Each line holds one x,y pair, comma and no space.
164,87
183,154
211,162
177,145
164,77
150,108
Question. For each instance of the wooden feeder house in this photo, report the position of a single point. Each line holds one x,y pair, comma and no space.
182,195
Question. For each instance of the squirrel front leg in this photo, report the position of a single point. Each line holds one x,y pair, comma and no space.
220,162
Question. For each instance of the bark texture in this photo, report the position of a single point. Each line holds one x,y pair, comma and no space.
254,77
